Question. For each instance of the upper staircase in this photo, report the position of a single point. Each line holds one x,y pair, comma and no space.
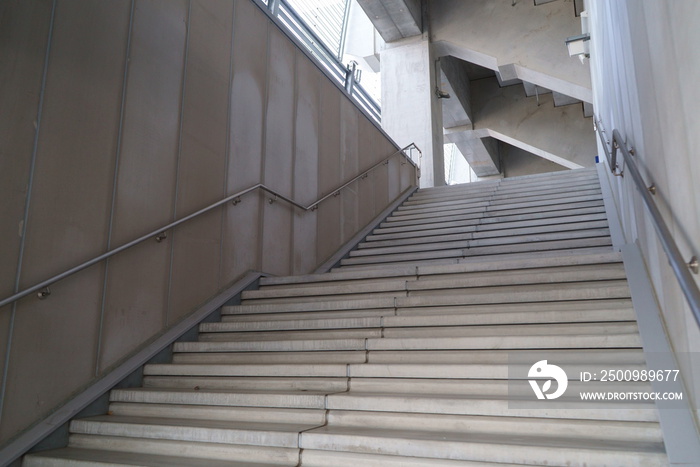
399,357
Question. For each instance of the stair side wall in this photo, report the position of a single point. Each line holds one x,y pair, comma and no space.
126,115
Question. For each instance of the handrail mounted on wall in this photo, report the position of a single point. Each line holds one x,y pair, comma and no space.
160,233
681,268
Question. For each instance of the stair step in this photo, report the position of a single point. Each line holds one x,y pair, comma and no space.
529,247
78,457
465,387
457,196
579,273
470,234
361,333
224,414
270,399
583,341
314,458
314,370
497,258
484,405
444,206
420,200
481,293
193,373
486,448
250,358
421,403
595,211
473,266
243,454
458,318
534,205
224,432
504,425
479,242
248,383
495,216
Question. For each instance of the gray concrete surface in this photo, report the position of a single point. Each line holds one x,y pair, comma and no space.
642,55
394,19
529,44
145,117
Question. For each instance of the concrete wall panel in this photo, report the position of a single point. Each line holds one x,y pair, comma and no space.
202,167
279,150
24,28
306,142
69,215
137,281
641,58
349,167
381,184
126,144
248,100
329,174
368,157
54,343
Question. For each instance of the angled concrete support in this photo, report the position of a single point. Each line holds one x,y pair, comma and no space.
456,110
559,134
480,152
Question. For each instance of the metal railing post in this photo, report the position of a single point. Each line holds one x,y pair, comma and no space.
350,76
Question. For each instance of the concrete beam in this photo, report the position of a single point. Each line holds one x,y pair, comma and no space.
532,90
562,99
480,152
456,110
394,19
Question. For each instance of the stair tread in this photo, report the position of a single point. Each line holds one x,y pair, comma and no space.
411,436
472,266
402,354
91,425
118,458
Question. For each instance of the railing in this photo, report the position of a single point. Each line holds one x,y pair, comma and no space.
334,68
681,268
161,233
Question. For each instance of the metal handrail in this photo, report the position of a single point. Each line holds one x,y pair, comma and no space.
235,198
680,267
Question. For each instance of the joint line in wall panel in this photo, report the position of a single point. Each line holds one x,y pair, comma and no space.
22,244
177,164
295,109
98,350
227,155
263,146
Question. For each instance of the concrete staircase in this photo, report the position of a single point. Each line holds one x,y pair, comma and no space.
399,357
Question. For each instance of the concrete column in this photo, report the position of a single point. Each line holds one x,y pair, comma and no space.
411,111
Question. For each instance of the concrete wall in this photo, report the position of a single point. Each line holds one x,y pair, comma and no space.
559,134
517,162
121,116
643,63
523,41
